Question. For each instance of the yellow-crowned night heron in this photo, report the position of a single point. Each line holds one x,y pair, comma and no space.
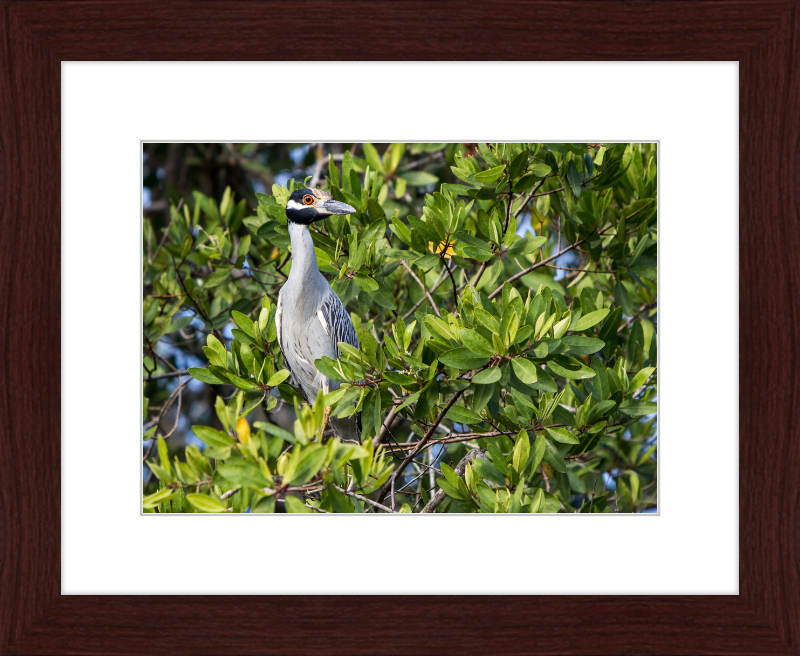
310,318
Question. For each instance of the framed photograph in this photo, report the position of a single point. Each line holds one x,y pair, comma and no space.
710,88
400,328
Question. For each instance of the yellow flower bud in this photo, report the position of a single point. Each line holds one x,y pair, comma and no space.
440,248
243,430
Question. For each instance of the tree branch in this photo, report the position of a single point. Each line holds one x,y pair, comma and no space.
388,484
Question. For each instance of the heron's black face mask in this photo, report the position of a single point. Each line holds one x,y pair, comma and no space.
308,205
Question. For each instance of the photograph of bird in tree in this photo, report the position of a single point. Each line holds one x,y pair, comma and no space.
400,328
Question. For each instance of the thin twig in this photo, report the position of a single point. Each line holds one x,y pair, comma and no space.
318,509
442,277
421,284
424,160
168,403
387,423
529,196
516,276
363,498
178,411
172,374
426,438
197,306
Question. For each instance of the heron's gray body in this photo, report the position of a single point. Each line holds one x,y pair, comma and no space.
311,320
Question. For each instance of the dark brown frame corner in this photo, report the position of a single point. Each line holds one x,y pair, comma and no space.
37,35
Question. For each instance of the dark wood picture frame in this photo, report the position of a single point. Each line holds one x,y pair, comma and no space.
38,34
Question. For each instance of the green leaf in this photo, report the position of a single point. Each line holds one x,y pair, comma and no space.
475,342
600,381
277,431
278,377
295,505
541,169
339,502
329,368
244,322
220,275
242,472
243,383
589,320
205,376
463,358
638,408
249,361
366,283
153,500
404,380
552,456
383,297
449,474
205,503
537,501
487,376
307,468
544,382
451,490
526,246
374,160
419,178
623,298
574,177
463,415
213,437
522,450
517,165
580,371
485,469
525,370
583,345
598,411
179,323
561,435
561,327
490,175
638,380
163,455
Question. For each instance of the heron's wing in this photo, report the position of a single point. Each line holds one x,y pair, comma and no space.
336,322
318,337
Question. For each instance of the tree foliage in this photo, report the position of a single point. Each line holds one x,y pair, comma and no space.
505,300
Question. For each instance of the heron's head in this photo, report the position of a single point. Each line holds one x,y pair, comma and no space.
308,205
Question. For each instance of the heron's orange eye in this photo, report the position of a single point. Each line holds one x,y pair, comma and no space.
308,200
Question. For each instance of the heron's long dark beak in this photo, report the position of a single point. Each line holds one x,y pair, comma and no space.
335,207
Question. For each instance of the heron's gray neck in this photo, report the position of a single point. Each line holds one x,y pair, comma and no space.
304,261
